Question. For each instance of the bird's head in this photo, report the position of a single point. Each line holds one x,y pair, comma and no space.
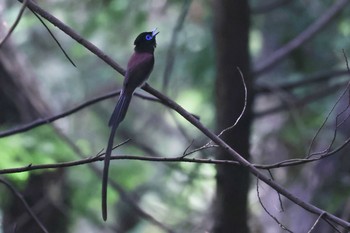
146,41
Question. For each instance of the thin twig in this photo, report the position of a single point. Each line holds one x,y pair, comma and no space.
244,107
317,78
295,162
278,194
206,146
14,25
316,222
209,144
70,32
328,115
54,38
25,204
271,215
184,154
316,96
48,120
170,57
265,8
334,227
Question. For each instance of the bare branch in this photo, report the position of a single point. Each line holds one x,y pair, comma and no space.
269,6
278,56
48,120
14,25
279,195
100,157
70,32
170,57
54,38
324,122
317,78
185,153
295,162
316,222
25,204
244,107
302,101
262,205
206,146
347,89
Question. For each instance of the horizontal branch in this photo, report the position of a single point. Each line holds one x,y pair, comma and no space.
40,122
182,158
313,79
32,167
267,7
318,94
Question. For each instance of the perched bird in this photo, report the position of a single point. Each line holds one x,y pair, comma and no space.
139,68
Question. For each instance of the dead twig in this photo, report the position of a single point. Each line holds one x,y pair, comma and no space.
25,204
14,25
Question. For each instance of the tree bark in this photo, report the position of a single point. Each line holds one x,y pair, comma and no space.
231,28
45,193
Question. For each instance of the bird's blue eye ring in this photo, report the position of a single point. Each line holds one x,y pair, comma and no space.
149,37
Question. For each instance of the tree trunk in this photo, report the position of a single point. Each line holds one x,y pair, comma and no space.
45,193
231,28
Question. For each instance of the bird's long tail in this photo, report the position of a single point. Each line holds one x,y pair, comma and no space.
117,117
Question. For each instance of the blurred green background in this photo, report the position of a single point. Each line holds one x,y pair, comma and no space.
176,194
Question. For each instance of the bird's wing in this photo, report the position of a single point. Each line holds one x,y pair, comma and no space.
139,68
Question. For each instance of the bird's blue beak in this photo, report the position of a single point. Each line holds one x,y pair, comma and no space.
154,32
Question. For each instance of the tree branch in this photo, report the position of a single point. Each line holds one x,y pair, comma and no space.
264,8
276,57
14,25
25,204
170,57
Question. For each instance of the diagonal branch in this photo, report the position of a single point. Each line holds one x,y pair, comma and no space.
70,32
40,122
14,25
25,204
54,38
273,59
48,120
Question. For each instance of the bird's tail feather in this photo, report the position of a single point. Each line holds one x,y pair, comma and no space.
120,109
117,117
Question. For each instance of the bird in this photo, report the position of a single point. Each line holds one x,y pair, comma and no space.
139,68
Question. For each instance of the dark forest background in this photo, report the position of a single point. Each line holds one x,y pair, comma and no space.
292,55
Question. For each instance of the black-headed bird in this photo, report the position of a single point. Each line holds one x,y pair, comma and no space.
139,68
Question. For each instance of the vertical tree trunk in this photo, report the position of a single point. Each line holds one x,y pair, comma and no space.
231,28
45,193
